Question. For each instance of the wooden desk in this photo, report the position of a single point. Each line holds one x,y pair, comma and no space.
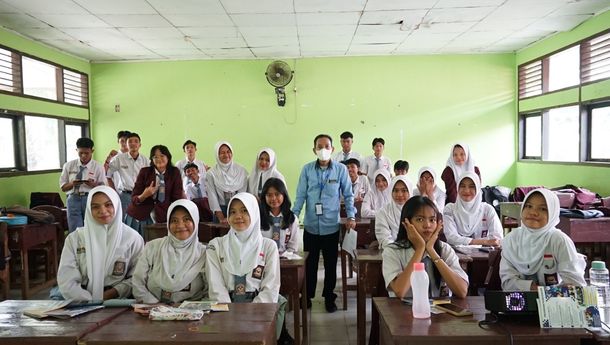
590,236
23,238
476,265
370,281
366,235
207,231
293,280
397,326
5,278
244,323
18,329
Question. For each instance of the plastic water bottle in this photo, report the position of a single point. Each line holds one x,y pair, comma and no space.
419,285
598,277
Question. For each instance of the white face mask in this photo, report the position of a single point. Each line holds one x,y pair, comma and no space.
323,154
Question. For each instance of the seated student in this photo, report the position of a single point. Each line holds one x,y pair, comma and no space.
418,241
426,186
460,161
243,266
156,187
224,180
190,149
196,192
347,140
388,218
264,168
98,259
401,167
360,183
470,220
277,220
376,161
121,137
537,253
171,268
379,196
77,178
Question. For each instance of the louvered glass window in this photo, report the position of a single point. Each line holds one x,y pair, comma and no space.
595,59
530,79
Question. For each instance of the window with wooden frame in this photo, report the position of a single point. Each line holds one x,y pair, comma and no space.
10,71
595,59
598,131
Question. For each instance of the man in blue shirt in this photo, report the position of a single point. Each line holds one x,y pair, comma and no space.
321,184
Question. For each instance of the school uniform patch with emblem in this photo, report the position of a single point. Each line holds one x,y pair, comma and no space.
119,268
257,272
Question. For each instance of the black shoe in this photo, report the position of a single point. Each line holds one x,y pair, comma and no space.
285,338
330,305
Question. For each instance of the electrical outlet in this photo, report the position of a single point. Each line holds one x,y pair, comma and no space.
117,108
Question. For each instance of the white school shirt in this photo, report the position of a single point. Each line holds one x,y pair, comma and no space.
361,187
221,281
93,170
340,157
369,166
387,223
489,227
292,232
183,162
128,168
72,272
561,264
191,189
439,197
395,260
147,289
216,196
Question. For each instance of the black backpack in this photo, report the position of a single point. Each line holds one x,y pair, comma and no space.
494,195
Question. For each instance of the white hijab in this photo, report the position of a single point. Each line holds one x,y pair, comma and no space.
437,189
181,260
101,242
524,247
228,177
469,214
256,173
380,198
468,165
395,209
243,247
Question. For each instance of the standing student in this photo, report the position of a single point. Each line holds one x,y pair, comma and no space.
470,220
172,268
122,141
128,166
460,161
243,266
347,140
377,160
264,169
427,186
224,180
418,241
190,149
77,178
401,167
277,220
379,196
388,218
156,187
537,253
98,259
360,184
196,192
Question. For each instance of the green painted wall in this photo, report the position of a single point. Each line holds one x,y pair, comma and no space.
420,105
16,190
555,174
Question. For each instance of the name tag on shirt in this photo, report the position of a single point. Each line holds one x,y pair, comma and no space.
119,268
257,272
80,250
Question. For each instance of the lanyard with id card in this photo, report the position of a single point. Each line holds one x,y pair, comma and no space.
323,179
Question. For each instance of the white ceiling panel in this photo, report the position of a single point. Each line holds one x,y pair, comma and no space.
253,41
494,22
8,8
20,21
47,7
117,6
45,34
374,5
98,34
559,23
81,49
152,33
166,44
393,17
327,30
210,32
464,14
258,6
583,7
272,52
268,31
371,48
187,6
331,46
235,53
220,43
382,39
135,20
264,19
439,28
73,20
314,6
467,3
199,20
338,18
377,30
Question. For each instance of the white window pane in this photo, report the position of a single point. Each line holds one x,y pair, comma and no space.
533,136
39,79
73,133
563,134
42,143
564,68
7,145
600,129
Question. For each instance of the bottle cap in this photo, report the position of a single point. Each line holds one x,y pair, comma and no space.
598,265
418,266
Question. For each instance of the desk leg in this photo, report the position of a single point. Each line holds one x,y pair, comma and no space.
303,307
25,274
374,337
360,308
296,308
343,278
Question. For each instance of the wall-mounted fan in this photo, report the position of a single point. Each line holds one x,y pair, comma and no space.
279,75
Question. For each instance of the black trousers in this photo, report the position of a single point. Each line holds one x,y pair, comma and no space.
328,244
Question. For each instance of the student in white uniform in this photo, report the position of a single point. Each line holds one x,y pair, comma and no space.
264,168
77,178
277,220
387,221
121,138
98,259
470,220
190,149
171,268
196,191
379,196
376,161
224,180
427,186
418,241
537,253
347,140
243,266
460,161
360,183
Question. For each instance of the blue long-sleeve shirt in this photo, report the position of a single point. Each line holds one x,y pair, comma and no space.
325,186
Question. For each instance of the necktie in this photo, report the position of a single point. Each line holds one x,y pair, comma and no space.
275,234
161,192
198,188
377,163
260,184
79,175
345,156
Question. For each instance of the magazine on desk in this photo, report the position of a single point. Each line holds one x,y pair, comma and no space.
62,309
568,307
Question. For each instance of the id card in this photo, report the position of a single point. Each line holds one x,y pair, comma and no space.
319,209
